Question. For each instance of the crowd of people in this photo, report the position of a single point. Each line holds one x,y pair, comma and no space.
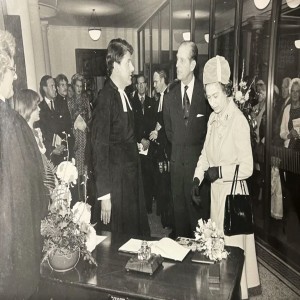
175,148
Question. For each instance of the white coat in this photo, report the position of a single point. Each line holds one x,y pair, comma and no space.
227,144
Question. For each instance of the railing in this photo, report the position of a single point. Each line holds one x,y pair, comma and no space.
290,159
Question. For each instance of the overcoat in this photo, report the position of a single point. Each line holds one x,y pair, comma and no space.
22,206
227,144
116,163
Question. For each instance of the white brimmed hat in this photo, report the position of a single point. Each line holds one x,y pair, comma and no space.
216,70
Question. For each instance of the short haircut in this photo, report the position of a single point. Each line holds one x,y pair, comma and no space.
77,77
61,77
116,50
7,51
226,88
26,102
193,49
140,76
43,83
162,74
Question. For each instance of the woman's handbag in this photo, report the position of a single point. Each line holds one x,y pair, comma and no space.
238,216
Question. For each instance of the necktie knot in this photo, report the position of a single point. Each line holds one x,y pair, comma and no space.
185,88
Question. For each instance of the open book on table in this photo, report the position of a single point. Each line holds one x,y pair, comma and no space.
166,247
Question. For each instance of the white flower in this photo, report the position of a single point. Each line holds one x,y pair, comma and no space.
210,240
91,239
238,95
82,213
67,172
247,96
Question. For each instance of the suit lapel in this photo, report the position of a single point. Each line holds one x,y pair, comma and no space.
178,102
196,101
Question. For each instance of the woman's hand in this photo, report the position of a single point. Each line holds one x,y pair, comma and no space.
105,211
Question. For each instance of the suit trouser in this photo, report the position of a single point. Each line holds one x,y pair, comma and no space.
186,212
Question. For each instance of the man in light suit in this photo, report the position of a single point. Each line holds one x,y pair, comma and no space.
186,113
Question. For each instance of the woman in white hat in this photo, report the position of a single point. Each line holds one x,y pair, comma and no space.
227,144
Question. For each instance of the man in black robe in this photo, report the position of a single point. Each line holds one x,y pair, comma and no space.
115,155
22,195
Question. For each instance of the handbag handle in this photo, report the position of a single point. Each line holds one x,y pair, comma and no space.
234,181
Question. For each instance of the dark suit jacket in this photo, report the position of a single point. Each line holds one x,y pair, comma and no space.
64,120
144,122
49,124
187,143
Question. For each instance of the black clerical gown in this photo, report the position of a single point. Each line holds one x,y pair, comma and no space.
116,163
22,206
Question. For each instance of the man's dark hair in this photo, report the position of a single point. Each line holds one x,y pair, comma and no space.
162,74
43,83
140,76
116,50
61,77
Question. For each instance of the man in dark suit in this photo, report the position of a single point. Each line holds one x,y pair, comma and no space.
186,113
61,108
49,122
144,109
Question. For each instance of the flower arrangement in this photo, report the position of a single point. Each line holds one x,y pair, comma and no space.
66,230
210,240
241,96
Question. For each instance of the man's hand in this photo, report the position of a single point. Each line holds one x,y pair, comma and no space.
59,150
293,134
195,191
145,144
212,174
153,135
105,211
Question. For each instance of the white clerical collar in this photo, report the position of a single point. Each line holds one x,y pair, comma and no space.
124,99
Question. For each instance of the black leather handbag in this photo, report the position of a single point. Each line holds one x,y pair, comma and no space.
238,215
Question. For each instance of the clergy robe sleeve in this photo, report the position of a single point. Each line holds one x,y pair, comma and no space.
100,144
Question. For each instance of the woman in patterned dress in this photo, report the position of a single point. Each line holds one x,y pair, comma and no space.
80,114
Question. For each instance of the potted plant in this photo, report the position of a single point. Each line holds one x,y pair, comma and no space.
67,232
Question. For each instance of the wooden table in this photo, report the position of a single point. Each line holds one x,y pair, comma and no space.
110,280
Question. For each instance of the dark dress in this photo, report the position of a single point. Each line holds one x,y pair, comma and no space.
22,206
116,164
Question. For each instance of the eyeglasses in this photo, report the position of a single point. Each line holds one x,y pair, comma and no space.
13,69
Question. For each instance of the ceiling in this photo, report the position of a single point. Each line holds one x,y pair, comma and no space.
110,13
